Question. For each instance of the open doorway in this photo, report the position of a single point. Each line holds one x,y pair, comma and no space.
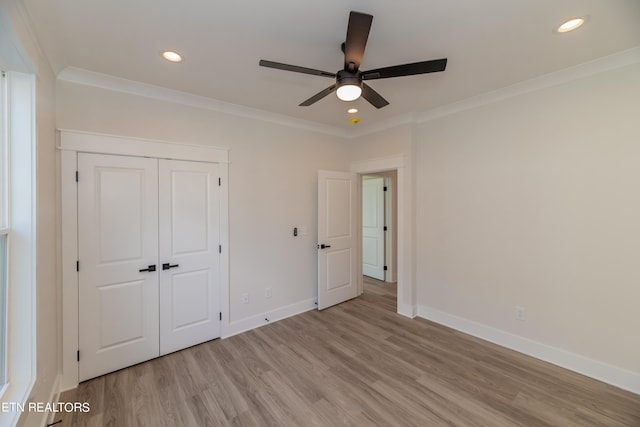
379,237
403,186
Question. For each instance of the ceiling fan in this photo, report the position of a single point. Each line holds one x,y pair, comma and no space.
349,83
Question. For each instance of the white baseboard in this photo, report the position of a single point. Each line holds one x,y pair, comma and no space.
265,318
407,310
601,371
54,397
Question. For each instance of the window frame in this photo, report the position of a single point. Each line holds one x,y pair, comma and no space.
19,139
4,227
4,156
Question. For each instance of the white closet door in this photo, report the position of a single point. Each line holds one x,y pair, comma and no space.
189,257
118,238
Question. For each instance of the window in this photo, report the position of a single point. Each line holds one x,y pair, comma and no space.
17,241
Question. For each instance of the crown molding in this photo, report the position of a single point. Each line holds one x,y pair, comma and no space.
118,84
13,54
600,65
104,81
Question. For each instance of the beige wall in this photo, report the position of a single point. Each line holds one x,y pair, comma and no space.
272,184
397,141
534,201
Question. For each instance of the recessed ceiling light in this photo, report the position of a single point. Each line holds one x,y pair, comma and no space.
570,25
171,56
352,110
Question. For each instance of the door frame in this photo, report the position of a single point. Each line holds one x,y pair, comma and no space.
72,142
406,301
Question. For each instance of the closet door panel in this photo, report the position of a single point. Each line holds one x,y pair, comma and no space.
117,238
189,238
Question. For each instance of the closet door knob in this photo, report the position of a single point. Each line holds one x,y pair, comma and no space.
166,266
149,268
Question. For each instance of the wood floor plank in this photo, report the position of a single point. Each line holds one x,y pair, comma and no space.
355,364
206,410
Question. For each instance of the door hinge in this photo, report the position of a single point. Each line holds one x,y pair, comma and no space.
76,176
219,182
385,228
385,268
78,355
385,188
77,265
219,249
220,315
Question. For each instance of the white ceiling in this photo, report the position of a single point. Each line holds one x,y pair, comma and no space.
490,44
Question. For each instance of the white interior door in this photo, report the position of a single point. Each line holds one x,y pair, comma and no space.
337,238
189,257
373,227
118,256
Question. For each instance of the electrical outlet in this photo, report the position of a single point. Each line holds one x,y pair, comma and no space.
267,292
520,313
245,298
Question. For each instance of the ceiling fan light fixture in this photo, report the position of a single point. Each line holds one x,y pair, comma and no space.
349,92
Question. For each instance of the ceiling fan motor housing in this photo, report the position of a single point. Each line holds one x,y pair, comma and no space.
344,77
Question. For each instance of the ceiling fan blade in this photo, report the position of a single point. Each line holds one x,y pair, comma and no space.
373,97
423,67
318,96
357,35
295,68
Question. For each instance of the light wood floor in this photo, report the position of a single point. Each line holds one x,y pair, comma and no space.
355,364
